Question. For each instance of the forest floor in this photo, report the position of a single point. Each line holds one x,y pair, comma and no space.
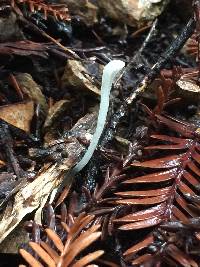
137,201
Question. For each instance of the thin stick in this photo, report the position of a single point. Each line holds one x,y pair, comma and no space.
44,34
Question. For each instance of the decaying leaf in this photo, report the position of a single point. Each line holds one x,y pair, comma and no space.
18,114
32,90
76,76
54,112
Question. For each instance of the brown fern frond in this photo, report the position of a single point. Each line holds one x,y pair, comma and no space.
59,252
59,11
162,195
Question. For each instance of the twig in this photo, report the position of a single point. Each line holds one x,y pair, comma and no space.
44,34
16,86
144,44
141,30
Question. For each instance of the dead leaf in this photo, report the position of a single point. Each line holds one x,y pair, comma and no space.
55,111
32,90
76,76
18,114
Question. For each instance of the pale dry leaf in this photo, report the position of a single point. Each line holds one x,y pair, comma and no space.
18,114
76,76
54,112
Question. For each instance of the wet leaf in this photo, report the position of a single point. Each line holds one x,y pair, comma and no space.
161,163
145,193
88,258
180,257
142,259
178,126
55,112
32,90
143,214
141,224
77,76
142,244
142,201
153,178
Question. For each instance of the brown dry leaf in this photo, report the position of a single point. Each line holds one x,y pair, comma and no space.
139,246
141,224
142,259
76,76
32,90
55,111
142,201
87,259
18,114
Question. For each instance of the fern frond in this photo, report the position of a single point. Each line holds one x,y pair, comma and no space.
65,253
163,195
